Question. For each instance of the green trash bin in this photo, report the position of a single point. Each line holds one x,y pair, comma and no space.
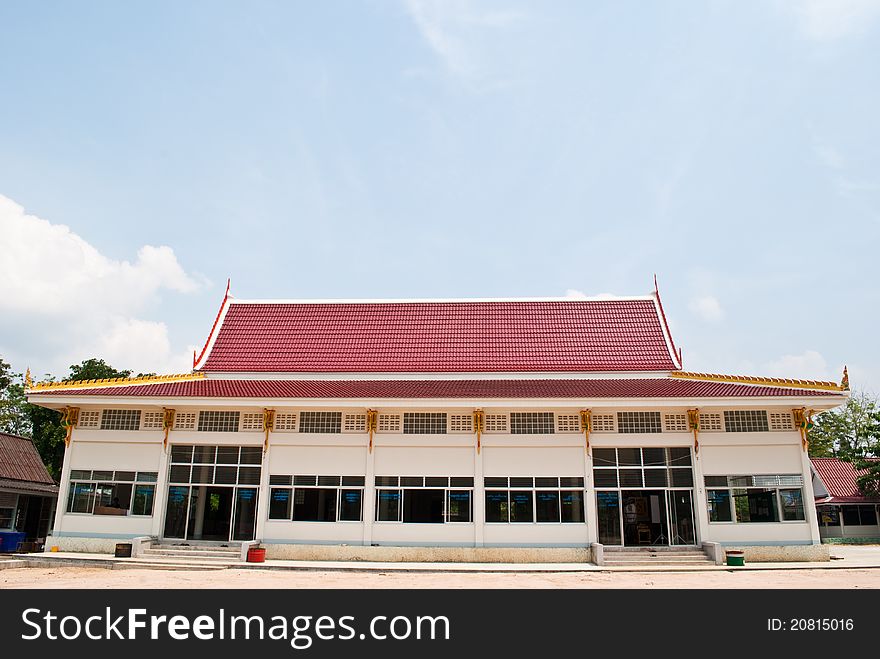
736,558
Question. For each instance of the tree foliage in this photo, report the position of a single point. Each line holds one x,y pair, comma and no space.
41,424
850,432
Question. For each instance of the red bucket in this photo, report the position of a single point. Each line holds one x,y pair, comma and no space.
256,555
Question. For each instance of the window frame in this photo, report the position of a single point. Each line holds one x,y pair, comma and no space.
141,479
778,487
535,490
339,489
402,490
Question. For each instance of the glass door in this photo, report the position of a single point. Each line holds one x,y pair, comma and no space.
681,514
608,513
176,511
245,515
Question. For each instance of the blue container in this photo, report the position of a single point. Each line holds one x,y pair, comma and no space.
9,541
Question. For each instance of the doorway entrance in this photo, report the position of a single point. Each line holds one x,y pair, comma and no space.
212,493
634,518
211,513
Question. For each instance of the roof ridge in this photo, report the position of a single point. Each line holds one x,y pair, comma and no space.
474,300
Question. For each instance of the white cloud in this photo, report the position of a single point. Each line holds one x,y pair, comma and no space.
707,308
573,294
827,20
809,365
62,301
449,27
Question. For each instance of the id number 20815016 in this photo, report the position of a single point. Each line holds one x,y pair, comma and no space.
810,625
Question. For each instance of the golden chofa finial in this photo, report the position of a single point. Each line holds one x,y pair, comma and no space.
844,383
28,382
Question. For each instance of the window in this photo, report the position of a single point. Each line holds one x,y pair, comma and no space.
755,499
89,419
531,423
746,421
675,423
121,420
185,421
643,467
8,504
354,423
389,423
320,422
111,493
859,515
424,423
217,465
153,420
461,423
424,499
781,421
638,422
526,499
495,423
710,422
285,422
568,423
316,498
603,422
252,422
218,421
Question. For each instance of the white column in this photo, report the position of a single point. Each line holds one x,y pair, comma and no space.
263,497
701,509
369,492
161,496
809,500
63,489
591,515
479,501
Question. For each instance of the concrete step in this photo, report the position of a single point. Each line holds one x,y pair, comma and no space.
190,555
204,552
647,559
138,564
233,549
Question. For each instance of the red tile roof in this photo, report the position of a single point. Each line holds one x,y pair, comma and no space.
839,478
518,336
594,388
19,461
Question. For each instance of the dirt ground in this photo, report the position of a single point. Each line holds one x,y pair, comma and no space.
80,577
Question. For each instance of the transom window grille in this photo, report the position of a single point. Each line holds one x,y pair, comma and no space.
424,423
710,422
568,423
531,423
217,465
354,422
285,422
642,467
218,421
252,421
121,420
781,421
152,421
327,422
89,419
185,421
675,423
638,422
495,423
603,423
461,423
746,421
389,423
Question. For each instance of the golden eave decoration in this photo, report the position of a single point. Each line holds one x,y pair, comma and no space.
817,385
113,382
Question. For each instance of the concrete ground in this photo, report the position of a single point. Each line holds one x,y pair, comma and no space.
852,567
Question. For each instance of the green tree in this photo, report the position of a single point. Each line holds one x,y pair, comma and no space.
13,405
95,369
869,482
849,432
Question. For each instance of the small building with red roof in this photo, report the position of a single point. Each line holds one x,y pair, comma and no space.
442,429
27,493
843,510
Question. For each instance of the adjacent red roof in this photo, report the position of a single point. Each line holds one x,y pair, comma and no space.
839,478
596,388
19,461
388,337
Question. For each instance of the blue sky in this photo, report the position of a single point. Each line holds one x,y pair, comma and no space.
150,150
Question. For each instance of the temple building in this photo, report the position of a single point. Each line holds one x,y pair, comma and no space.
547,429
